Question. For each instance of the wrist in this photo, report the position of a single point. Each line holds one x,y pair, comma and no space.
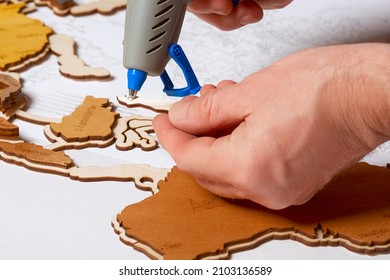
365,79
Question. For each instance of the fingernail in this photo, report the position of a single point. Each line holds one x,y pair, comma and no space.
218,12
248,19
178,110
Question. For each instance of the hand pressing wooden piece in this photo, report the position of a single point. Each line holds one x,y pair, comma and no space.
91,121
184,221
70,64
22,38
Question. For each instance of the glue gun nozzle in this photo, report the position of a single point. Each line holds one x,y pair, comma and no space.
132,94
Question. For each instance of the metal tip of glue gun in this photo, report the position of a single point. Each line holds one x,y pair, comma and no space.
132,94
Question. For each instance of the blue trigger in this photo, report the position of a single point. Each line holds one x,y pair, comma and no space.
177,54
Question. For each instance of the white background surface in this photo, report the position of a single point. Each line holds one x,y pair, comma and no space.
45,216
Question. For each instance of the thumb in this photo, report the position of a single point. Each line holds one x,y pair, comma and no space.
218,110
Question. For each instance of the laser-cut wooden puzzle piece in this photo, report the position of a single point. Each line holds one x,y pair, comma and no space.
59,144
184,221
34,157
11,96
10,91
22,38
70,64
156,105
134,131
8,129
145,177
93,120
104,7
38,158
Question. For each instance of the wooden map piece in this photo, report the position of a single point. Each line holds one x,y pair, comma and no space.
134,131
70,64
32,118
59,144
184,221
156,105
25,153
11,96
8,129
10,91
104,7
144,176
93,120
22,38
37,158
62,4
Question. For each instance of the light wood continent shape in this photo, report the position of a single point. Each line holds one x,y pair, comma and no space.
184,221
22,38
93,120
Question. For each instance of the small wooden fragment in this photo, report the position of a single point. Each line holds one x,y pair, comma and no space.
8,129
22,38
10,92
134,131
93,120
156,105
70,64
184,221
62,4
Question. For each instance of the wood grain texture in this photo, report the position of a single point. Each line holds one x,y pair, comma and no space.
22,38
70,64
35,154
8,129
184,221
93,120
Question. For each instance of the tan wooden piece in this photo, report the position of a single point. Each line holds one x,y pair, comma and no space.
184,221
156,105
35,154
93,120
8,129
59,144
22,38
70,64
10,92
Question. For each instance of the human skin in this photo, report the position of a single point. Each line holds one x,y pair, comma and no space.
223,15
278,136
